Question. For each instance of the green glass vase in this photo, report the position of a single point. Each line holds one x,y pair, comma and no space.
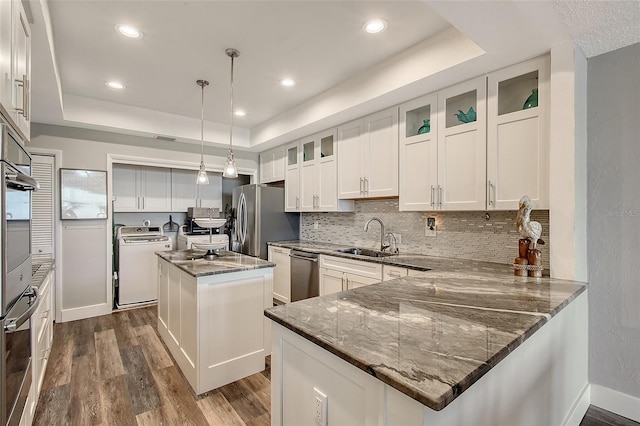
425,128
532,100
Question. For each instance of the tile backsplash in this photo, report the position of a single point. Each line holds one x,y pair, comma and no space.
464,235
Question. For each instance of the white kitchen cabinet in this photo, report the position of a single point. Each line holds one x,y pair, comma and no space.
272,165
518,137
462,147
418,154
15,65
185,192
368,156
141,188
292,178
339,274
281,273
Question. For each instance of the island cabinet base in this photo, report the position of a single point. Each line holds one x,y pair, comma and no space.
213,325
542,382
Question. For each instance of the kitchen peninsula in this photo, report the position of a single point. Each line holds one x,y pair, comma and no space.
445,346
210,315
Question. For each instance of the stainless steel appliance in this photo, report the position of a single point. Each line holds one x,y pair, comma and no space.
305,276
17,299
260,218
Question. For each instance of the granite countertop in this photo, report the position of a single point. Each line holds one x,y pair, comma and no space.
433,335
416,262
191,262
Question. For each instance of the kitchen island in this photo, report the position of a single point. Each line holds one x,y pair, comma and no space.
210,315
408,351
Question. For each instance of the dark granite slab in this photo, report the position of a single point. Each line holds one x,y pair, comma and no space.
192,262
430,336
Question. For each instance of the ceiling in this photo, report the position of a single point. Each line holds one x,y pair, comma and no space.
341,71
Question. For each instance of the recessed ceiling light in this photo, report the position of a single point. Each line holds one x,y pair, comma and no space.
373,26
287,82
239,113
129,31
115,85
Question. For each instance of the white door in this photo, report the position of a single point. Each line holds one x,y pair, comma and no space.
125,188
381,156
355,281
184,191
308,176
43,207
156,184
330,281
6,82
419,174
350,160
22,69
462,147
292,179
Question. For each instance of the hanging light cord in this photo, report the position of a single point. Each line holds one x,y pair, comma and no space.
202,125
231,103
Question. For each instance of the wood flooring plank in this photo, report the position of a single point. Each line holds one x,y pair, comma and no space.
175,391
161,416
117,409
152,348
82,332
259,386
53,405
59,366
597,416
108,355
218,411
85,401
263,420
125,334
246,404
142,387
103,322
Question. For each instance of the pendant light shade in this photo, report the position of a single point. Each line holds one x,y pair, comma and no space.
202,178
230,169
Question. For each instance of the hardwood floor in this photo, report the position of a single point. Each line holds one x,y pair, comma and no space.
115,370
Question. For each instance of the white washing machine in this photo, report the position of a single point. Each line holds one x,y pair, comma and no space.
138,265
185,241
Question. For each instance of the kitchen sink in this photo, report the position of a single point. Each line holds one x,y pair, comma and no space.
365,252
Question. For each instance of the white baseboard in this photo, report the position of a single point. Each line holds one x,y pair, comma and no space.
580,407
85,312
617,402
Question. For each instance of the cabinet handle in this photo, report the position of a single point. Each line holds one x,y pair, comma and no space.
361,184
366,186
490,189
432,202
440,196
24,83
297,203
342,283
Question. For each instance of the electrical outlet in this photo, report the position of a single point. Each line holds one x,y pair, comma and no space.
319,408
315,225
430,227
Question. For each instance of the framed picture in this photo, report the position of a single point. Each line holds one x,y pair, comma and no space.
83,194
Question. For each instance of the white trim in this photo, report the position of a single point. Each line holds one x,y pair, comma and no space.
85,312
57,255
617,402
579,409
173,164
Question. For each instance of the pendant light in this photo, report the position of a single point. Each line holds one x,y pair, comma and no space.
230,170
202,178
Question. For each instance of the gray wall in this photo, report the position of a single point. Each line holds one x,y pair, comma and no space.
465,235
614,219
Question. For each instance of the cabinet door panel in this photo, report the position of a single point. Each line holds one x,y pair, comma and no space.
382,154
350,159
355,281
183,189
418,175
156,183
22,68
461,172
330,281
266,166
308,181
327,185
125,188
279,165
6,82
281,273
292,190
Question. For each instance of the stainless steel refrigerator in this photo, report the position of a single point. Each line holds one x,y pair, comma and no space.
260,217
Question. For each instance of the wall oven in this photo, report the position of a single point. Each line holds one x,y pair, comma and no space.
17,299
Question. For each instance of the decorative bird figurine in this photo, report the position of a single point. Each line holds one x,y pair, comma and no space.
526,227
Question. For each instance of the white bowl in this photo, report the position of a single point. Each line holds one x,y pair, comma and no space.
205,222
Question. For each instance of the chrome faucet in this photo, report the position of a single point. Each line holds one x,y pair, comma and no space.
366,228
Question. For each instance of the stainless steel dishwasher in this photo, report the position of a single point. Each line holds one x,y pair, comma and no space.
305,277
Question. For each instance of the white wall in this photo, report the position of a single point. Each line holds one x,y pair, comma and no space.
86,287
614,221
